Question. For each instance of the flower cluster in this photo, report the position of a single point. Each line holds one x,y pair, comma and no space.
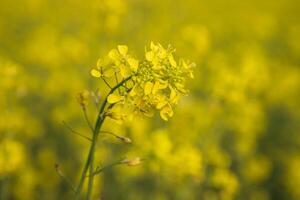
154,83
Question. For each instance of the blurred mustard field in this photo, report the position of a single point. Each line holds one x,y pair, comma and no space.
234,136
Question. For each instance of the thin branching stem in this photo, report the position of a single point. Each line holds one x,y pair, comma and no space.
91,180
87,119
75,132
89,161
97,171
117,136
117,81
105,81
64,178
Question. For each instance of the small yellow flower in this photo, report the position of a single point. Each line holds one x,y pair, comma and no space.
161,102
150,55
114,98
116,116
148,88
172,93
123,49
157,82
133,91
101,70
134,64
166,112
114,55
105,73
153,46
96,73
159,85
124,71
172,61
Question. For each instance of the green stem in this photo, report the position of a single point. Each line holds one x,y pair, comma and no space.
62,176
91,180
87,119
98,171
90,157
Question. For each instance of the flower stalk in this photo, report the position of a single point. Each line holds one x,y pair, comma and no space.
89,161
154,83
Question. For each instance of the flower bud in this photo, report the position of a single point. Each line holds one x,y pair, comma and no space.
82,98
132,162
125,139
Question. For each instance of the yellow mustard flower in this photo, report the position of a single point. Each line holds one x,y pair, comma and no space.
157,82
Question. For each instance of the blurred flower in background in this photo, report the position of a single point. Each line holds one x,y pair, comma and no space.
235,136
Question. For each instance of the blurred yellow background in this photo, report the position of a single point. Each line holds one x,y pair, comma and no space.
236,136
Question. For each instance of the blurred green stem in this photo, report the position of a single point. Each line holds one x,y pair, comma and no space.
97,171
90,157
91,180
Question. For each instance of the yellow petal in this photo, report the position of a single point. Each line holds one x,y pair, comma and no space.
163,53
114,55
124,71
123,49
155,60
153,46
191,74
99,63
157,67
134,64
148,113
149,55
148,88
114,98
175,100
172,61
109,72
96,73
161,104
163,115
180,87
156,87
166,112
172,93
163,84
133,91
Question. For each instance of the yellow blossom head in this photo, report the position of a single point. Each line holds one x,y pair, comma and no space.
155,83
